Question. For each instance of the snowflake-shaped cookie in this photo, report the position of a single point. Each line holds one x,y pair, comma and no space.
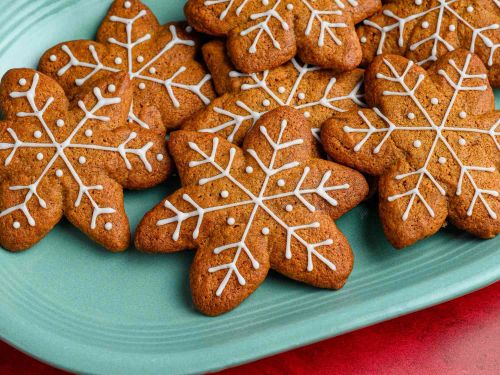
316,92
160,61
269,204
424,30
264,34
433,137
58,159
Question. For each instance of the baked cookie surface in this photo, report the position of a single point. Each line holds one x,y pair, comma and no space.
267,205
169,84
433,138
317,93
424,30
71,159
264,34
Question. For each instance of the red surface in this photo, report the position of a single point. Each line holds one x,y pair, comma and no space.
457,337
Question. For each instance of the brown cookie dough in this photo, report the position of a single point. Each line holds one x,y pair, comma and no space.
433,138
71,159
264,34
267,205
160,61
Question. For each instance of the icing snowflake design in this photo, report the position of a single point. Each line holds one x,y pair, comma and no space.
442,32
234,122
268,14
272,190
441,131
148,72
54,157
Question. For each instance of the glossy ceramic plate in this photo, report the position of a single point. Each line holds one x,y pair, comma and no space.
70,303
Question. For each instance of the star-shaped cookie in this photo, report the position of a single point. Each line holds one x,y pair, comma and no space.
433,138
160,61
317,93
264,34
267,205
71,159
424,30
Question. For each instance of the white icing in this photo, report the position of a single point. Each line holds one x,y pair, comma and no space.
224,194
462,114
363,39
266,103
444,11
39,156
22,82
302,96
465,82
127,4
261,200
16,224
60,123
88,133
329,99
60,148
82,160
152,70
231,221
411,116
289,208
249,170
189,29
289,7
53,58
108,226
159,157
307,114
434,101
417,143
128,44
142,85
112,88
281,182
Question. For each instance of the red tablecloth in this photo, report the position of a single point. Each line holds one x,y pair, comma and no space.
457,337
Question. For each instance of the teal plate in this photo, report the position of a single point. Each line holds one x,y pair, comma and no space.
72,304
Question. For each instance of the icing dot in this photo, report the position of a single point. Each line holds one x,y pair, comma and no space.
53,58
127,4
418,2
189,29
111,88
60,123
452,28
289,6
39,156
82,159
224,194
159,157
462,142
307,114
411,115
417,143
37,134
281,89
289,208
140,59
22,82
281,182
265,2
89,132
302,96
152,70
462,114
425,25
442,160
434,101
470,9
142,85
249,169
118,61
108,226
265,231
266,103
59,173
231,221
363,39
16,224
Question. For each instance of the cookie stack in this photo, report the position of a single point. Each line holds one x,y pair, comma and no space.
277,112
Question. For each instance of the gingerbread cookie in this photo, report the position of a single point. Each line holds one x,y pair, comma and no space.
268,205
424,30
160,62
71,159
316,92
264,34
433,138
